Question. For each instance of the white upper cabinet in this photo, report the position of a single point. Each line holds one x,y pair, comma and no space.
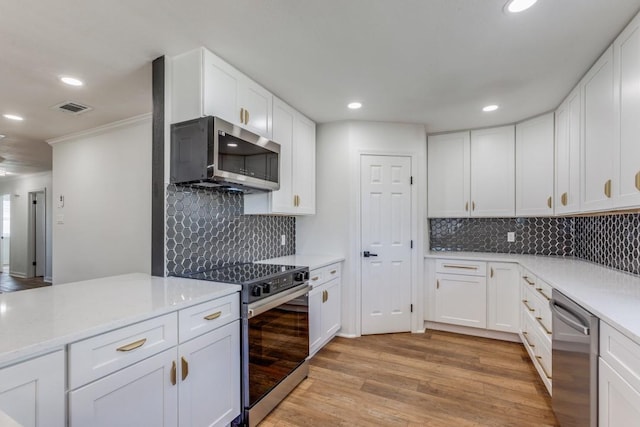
599,141
493,172
534,167
205,85
626,53
297,194
448,168
567,159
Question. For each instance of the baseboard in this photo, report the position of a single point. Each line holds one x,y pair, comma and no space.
419,331
465,330
48,279
18,274
339,334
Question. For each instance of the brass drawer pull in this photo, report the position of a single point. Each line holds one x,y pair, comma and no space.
466,207
638,181
542,366
333,271
242,115
526,304
549,202
539,320
172,376
607,188
473,206
437,284
526,338
529,282
185,368
315,278
541,292
213,316
466,267
491,272
133,345
325,296
564,199
246,117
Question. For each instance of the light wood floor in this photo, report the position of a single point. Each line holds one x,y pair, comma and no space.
431,379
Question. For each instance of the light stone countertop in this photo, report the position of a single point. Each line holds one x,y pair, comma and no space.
311,261
38,321
612,295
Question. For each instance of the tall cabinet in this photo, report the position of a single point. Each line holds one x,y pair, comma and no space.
568,120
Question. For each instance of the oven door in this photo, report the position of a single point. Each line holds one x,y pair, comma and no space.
277,335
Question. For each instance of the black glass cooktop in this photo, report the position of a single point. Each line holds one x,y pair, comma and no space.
243,273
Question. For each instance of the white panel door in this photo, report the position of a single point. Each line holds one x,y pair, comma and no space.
599,142
567,170
503,295
448,178
618,401
534,167
461,300
627,69
493,172
386,234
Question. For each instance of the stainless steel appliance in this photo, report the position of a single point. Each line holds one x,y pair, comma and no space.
575,363
275,332
212,152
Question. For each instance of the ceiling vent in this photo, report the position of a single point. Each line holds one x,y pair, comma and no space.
74,108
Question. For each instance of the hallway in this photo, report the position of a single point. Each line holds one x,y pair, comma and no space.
12,284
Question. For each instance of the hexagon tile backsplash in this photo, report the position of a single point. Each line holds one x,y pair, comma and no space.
207,229
612,240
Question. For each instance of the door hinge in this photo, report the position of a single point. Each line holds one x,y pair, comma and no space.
412,244
411,181
412,308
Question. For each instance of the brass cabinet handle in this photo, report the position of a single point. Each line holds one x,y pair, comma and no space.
542,366
466,267
473,206
325,296
539,319
242,115
541,292
133,345
246,117
607,188
333,271
466,207
526,304
549,202
529,282
491,272
315,278
437,284
526,338
213,316
185,368
172,376
638,181
563,199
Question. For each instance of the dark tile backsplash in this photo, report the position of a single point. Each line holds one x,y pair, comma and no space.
610,240
206,229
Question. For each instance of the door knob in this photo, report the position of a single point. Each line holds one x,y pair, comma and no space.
368,254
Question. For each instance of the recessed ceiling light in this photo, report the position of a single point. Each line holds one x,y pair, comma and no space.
71,81
12,117
354,105
489,108
515,6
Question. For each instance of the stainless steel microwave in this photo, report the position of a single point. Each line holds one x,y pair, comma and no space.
212,152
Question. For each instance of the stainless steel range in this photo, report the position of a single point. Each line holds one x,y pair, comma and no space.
275,332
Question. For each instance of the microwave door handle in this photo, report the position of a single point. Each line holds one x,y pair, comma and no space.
568,317
267,304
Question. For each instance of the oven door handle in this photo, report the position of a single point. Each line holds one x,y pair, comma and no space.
268,303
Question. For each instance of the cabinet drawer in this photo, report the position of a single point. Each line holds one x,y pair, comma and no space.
543,354
543,318
468,268
205,317
528,279
316,277
543,289
529,333
332,271
101,355
621,353
322,275
529,305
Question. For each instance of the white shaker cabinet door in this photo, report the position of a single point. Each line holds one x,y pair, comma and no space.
618,401
32,392
493,172
221,87
534,167
503,294
461,300
599,142
567,153
448,179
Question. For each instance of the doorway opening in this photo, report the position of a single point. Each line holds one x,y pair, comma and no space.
36,235
5,234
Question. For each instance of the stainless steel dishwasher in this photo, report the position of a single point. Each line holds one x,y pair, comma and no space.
574,350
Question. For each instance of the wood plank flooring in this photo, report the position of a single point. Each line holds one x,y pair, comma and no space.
11,284
431,379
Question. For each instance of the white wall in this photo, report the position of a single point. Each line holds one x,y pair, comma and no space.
19,190
335,227
104,176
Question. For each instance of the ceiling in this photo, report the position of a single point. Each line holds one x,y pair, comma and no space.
434,62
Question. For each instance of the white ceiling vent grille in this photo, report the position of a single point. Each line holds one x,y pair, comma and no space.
74,108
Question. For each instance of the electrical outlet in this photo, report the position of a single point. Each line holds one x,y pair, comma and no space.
283,240
511,236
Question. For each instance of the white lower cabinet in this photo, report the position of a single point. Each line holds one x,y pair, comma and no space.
461,300
618,401
325,316
503,292
209,392
32,392
143,394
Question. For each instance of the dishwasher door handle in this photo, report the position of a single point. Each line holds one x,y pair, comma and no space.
568,317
